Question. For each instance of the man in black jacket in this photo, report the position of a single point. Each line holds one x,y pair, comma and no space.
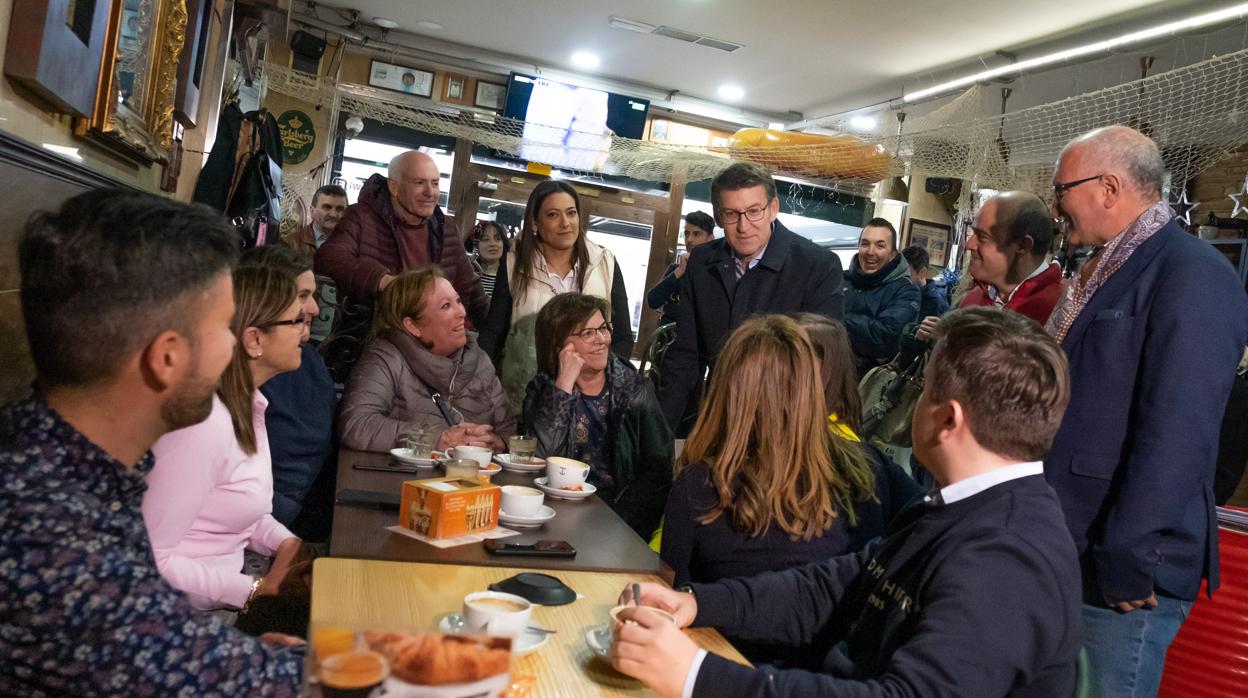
759,266
880,300
975,592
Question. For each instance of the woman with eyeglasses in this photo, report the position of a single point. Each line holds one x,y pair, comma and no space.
552,256
419,349
210,494
589,404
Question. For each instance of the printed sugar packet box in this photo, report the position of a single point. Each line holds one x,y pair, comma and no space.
357,662
448,507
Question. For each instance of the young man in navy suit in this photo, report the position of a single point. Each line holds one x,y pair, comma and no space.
1153,327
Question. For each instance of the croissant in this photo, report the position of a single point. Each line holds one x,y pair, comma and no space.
433,660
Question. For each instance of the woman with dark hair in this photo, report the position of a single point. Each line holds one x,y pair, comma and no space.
764,482
552,256
589,404
210,495
419,347
490,244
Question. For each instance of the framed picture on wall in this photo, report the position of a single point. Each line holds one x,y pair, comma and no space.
55,49
933,237
455,88
490,95
401,78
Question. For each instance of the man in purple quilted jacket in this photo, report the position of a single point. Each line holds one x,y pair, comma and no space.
396,225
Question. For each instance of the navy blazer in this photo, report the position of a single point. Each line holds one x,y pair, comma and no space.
794,274
1152,356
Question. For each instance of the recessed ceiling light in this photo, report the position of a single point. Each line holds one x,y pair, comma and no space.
862,123
385,23
585,60
732,93
429,26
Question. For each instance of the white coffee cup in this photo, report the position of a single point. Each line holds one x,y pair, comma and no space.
480,455
565,472
496,613
522,501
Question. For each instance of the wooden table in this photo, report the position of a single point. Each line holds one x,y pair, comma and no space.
396,595
602,540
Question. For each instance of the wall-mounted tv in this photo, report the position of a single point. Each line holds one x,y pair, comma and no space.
571,126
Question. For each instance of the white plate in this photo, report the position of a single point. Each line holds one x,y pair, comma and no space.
543,515
404,455
572,495
599,640
504,461
491,471
524,643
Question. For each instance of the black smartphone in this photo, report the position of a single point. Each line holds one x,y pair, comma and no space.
542,548
399,468
385,501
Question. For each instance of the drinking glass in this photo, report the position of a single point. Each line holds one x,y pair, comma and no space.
462,468
523,448
420,440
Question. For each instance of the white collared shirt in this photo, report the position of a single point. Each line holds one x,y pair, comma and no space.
978,483
1001,302
561,284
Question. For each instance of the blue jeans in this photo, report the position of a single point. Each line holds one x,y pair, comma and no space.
1127,651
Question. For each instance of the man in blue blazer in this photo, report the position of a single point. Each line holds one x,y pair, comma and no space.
759,266
1153,327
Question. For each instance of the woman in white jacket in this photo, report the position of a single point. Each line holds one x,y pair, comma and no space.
551,256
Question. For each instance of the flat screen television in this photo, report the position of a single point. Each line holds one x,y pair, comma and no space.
571,126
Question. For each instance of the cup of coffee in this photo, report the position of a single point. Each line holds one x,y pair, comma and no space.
522,448
522,501
564,473
616,623
480,455
461,468
352,674
496,613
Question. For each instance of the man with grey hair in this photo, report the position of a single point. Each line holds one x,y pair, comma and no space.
396,225
759,266
1153,326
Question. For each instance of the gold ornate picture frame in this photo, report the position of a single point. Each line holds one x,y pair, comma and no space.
135,96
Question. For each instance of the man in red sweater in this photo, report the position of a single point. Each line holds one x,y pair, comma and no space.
396,225
1009,246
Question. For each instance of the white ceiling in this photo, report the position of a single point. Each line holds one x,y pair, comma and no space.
809,56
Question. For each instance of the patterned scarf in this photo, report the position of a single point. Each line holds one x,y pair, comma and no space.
1113,255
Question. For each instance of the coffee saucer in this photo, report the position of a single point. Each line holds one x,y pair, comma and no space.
544,514
404,455
524,643
572,495
504,461
599,640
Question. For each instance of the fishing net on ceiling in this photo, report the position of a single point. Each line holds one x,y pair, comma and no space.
1198,115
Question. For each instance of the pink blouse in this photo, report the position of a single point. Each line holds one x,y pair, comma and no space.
206,502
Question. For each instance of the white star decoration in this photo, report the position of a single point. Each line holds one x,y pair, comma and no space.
1240,198
1183,207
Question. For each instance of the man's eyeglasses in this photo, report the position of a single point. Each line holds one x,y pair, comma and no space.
301,320
1060,189
588,333
752,214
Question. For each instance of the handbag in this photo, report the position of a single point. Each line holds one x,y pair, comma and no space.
889,394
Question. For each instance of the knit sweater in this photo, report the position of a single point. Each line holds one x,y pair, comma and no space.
980,597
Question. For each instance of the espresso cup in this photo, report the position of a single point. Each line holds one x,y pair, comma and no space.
565,472
616,623
352,674
522,501
480,455
496,613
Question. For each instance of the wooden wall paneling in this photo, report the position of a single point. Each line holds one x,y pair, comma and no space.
36,179
662,250
57,55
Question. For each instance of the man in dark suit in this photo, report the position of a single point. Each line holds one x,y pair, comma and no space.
1153,327
759,266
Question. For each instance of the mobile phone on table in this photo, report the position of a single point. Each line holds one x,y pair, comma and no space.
542,548
385,501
